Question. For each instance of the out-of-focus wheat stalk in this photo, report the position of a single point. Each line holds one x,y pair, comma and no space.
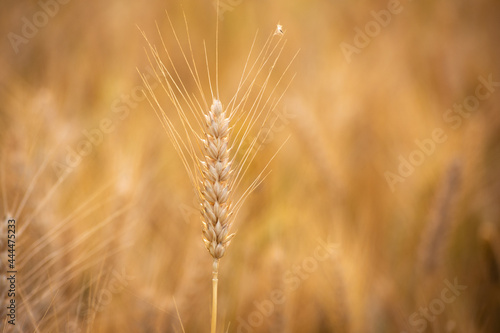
435,236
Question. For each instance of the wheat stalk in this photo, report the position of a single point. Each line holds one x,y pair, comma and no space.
435,236
202,134
216,209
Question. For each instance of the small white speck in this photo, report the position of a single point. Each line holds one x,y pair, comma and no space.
279,30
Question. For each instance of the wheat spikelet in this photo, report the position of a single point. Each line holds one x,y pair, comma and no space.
216,208
203,137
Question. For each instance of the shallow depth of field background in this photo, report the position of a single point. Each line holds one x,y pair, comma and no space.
114,244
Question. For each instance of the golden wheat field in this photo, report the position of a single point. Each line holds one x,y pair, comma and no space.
354,154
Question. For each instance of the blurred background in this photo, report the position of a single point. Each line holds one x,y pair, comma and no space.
381,213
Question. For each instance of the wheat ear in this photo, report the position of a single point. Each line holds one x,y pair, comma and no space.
202,138
216,208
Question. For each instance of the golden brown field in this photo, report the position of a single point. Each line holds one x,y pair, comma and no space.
381,210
